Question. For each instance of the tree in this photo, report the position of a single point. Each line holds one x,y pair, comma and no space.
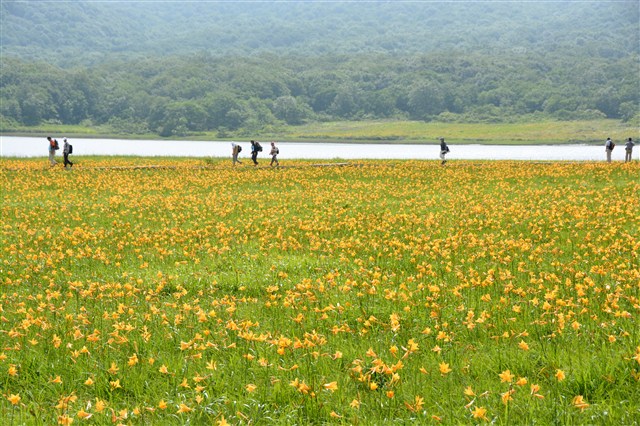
289,110
425,99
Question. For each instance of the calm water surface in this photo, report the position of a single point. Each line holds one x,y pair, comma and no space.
11,146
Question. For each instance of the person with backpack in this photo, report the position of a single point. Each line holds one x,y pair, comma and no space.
255,149
444,149
235,150
274,154
53,147
608,148
628,149
67,149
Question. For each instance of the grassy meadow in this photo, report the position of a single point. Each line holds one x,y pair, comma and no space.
517,133
382,292
393,131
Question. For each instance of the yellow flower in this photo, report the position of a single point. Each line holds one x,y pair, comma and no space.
355,404
12,371
469,392
579,402
412,346
250,387
113,369
506,397
162,405
506,376
83,414
480,413
521,381
560,375
222,422
523,345
133,360
64,402
89,381
14,399
333,386
100,405
184,409
444,368
64,420
56,380
163,369
416,406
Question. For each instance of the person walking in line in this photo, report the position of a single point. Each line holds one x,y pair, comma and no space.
53,146
608,148
444,150
628,149
255,149
66,150
274,154
235,150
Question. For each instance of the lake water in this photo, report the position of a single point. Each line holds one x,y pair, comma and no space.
11,146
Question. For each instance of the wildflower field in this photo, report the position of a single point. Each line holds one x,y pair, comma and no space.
380,292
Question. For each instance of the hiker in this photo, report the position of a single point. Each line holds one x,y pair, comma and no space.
628,148
235,150
255,149
444,149
66,150
608,148
53,146
274,154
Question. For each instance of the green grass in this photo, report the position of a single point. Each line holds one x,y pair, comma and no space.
539,132
543,132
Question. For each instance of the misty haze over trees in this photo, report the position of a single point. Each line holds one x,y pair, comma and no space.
179,68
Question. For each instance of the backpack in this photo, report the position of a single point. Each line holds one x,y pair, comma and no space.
70,149
258,147
239,149
613,145
55,145
277,150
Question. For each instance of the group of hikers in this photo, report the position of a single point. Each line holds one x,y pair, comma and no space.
628,149
67,149
257,148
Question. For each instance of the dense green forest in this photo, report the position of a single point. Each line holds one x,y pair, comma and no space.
179,68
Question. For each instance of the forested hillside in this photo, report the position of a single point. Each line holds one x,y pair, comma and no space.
176,68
